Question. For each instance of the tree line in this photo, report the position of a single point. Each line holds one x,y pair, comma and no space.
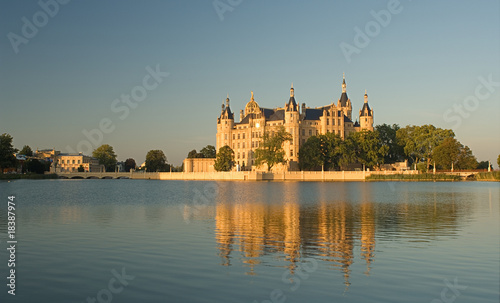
423,146
156,161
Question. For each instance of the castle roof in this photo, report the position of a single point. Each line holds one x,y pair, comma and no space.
343,99
313,113
227,112
292,105
366,111
278,115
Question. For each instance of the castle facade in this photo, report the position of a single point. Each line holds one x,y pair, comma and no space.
301,122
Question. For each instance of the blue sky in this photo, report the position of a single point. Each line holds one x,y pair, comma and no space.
427,61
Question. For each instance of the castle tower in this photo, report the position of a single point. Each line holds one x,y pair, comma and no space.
344,102
292,122
366,115
225,123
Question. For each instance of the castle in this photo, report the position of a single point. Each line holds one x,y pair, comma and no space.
300,121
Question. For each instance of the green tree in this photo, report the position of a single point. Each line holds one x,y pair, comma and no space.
26,150
106,156
130,164
483,165
156,161
81,169
364,147
387,135
271,148
7,151
35,166
419,141
498,161
320,152
224,160
452,151
310,157
192,154
466,160
208,151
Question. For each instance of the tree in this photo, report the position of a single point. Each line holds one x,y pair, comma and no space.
321,152
81,169
26,151
452,151
36,166
106,156
192,154
7,151
310,155
387,135
483,165
498,161
156,161
224,160
364,147
271,148
419,141
466,160
208,151
129,164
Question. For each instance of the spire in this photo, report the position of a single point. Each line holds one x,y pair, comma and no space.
291,91
366,97
343,83
252,96
227,100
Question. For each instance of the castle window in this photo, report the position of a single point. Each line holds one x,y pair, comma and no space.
238,157
243,155
238,136
253,144
243,145
333,121
243,135
233,145
303,132
225,136
234,136
327,121
310,132
238,145
291,153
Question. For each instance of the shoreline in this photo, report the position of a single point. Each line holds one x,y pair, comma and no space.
305,176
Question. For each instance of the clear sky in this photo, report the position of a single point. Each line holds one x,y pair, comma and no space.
433,62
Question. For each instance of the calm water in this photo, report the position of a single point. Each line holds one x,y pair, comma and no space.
251,242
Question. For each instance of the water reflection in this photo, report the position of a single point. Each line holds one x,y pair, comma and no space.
331,230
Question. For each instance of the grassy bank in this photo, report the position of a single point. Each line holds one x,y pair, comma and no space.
488,176
27,176
419,177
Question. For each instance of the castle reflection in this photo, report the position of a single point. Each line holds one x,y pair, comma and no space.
332,231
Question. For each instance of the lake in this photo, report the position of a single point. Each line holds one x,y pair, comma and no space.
182,241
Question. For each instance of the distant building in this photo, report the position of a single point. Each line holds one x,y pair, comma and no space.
71,162
199,165
46,153
300,121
